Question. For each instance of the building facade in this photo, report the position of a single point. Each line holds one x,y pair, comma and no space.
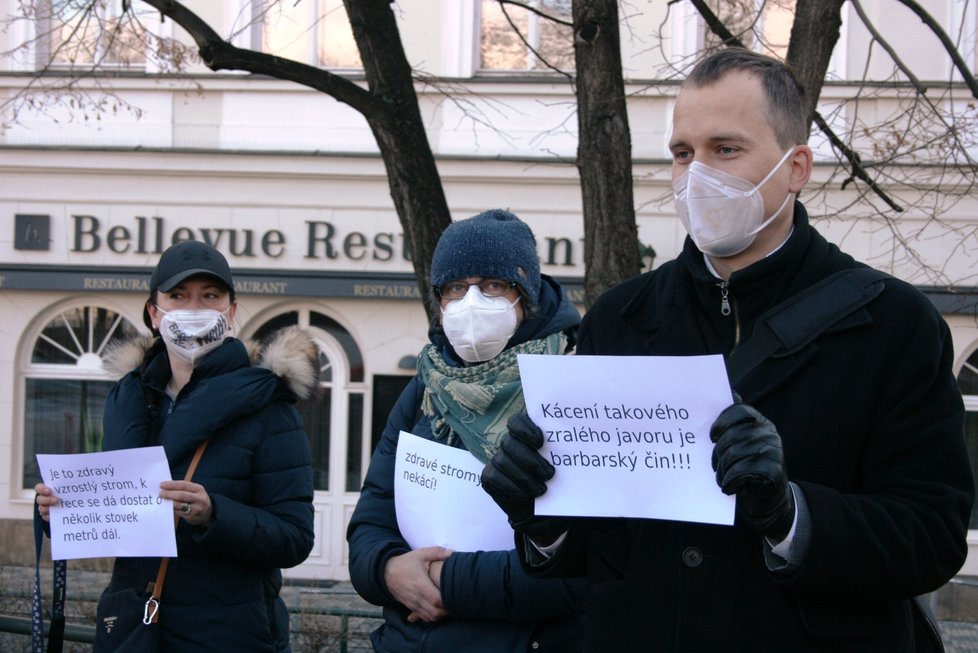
288,184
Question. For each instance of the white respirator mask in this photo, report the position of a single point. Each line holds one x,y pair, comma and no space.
478,326
189,334
722,213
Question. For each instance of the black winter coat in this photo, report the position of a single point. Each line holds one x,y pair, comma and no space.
493,605
221,591
871,421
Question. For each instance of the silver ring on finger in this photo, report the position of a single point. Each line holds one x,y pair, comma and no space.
185,508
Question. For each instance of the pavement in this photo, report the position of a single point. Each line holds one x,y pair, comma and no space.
312,602
959,636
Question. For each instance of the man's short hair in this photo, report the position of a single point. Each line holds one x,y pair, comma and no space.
785,106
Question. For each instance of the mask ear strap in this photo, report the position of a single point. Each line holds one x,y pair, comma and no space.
227,318
771,174
773,216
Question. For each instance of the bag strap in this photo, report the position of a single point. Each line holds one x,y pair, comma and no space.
57,628
927,632
801,318
151,611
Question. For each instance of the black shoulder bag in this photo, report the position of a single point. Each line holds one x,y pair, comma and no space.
795,323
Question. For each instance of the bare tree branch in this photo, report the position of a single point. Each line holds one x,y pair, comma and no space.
858,171
219,54
959,63
519,35
714,24
905,69
536,11
389,104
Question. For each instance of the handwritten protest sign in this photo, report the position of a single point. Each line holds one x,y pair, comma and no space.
629,436
439,499
110,504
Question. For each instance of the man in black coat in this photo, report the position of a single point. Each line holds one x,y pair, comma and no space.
846,455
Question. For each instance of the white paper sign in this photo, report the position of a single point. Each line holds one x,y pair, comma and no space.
629,436
439,499
110,504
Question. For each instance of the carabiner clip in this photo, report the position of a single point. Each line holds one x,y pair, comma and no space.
150,610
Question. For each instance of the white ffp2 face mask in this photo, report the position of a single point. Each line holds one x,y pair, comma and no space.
722,213
190,334
478,326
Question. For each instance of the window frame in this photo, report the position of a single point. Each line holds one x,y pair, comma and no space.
27,369
528,71
343,349
41,31
317,14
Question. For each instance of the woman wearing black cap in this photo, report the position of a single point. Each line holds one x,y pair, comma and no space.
247,512
494,304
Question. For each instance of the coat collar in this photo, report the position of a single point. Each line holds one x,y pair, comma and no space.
677,309
289,354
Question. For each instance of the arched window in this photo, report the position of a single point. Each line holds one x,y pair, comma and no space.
335,420
338,407
64,386
968,383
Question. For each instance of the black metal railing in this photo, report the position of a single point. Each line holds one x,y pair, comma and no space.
86,634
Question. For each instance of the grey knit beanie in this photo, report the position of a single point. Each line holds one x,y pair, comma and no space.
494,243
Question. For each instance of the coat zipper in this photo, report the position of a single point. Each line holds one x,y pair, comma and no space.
728,307
724,298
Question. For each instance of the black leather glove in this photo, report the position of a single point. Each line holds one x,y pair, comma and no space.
516,475
749,462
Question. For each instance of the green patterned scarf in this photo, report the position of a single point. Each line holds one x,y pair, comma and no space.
474,403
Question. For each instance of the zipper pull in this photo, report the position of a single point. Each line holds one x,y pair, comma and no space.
724,298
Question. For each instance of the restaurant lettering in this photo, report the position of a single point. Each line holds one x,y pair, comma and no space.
323,241
154,235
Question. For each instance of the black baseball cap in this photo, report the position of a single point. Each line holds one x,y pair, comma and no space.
182,261
189,259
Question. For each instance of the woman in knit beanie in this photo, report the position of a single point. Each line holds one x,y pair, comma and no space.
493,304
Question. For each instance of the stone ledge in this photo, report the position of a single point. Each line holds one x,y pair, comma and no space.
958,600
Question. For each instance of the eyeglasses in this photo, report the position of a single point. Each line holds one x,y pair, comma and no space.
488,287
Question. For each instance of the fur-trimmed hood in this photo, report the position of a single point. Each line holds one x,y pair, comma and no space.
289,354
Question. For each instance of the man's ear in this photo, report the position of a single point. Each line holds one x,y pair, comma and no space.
801,163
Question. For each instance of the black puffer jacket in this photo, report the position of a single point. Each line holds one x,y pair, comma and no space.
872,426
221,591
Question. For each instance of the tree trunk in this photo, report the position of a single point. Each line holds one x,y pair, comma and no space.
604,151
814,34
412,174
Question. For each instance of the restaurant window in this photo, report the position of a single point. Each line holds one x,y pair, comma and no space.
316,32
64,385
387,390
519,39
338,405
96,33
760,25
